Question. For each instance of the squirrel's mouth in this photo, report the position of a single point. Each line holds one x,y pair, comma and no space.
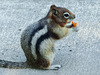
69,22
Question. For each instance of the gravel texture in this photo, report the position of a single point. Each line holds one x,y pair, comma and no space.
78,53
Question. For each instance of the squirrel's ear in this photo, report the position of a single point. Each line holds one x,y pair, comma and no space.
52,6
54,10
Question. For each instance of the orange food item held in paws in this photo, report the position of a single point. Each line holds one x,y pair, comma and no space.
74,24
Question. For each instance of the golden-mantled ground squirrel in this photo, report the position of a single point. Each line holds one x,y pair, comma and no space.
38,39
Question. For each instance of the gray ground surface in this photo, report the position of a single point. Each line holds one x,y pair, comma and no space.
84,59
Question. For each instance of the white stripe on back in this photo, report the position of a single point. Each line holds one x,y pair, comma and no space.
35,38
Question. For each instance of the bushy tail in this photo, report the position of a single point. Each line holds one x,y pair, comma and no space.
9,64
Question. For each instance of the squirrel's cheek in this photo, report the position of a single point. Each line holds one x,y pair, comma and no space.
62,24
53,17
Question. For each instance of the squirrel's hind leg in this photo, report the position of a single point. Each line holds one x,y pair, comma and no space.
45,63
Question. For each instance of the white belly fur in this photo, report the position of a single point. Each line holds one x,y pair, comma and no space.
46,49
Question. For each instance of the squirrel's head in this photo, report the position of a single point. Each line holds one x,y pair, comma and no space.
60,15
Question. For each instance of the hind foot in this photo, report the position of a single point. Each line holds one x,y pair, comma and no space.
55,67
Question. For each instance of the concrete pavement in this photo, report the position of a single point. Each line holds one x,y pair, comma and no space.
78,53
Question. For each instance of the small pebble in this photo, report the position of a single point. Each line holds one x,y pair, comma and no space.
68,46
70,50
2,53
19,29
58,49
16,56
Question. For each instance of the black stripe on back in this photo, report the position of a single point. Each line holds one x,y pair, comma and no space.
42,38
33,33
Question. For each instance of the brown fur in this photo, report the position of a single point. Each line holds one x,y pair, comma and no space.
59,19
42,63
54,35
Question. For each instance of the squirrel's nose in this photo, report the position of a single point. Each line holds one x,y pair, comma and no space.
72,17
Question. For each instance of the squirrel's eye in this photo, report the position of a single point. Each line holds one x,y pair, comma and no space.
66,15
54,12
